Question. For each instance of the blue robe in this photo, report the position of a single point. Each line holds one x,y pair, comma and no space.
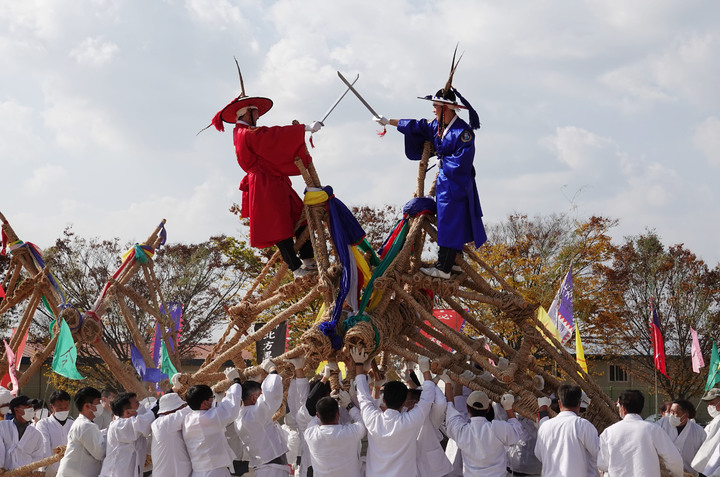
459,216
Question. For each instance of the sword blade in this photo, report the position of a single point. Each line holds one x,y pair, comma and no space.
337,102
362,100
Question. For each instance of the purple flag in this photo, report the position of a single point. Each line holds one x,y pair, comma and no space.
561,309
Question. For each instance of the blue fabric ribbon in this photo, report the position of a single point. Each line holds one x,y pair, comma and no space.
474,118
345,231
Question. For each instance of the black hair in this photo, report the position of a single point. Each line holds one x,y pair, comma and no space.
38,404
317,391
686,406
249,388
327,409
86,395
198,394
569,395
479,412
394,394
59,395
414,394
632,400
121,403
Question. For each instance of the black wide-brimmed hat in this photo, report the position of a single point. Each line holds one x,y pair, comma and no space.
444,97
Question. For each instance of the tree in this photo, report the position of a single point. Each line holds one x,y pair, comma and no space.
533,256
203,277
686,294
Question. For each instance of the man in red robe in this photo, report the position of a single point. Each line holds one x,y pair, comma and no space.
267,155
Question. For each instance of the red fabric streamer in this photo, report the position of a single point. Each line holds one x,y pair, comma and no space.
383,132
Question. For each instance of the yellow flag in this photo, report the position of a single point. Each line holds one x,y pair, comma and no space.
579,353
550,327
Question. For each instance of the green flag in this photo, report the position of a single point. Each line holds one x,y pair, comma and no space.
166,365
65,354
714,368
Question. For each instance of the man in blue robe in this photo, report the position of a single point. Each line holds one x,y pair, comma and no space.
459,216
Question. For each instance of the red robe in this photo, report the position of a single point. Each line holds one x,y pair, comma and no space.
267,155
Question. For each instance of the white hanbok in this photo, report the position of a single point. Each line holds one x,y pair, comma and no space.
707,459
687,442
170,457
204,435
334,450
18,452
431,458
482,442
55,435
566,444
85,450
633,448
261,436
127,445
392,435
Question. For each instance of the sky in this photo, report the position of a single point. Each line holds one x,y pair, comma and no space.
590,108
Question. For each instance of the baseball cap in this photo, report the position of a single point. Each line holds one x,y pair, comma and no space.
478,400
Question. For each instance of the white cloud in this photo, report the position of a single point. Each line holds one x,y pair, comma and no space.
217,14
46,180
577,147
94,52
707,139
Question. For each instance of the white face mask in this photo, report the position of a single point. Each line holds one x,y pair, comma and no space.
28,414
674,420
61,415
4,410
41,414
713,411
99,409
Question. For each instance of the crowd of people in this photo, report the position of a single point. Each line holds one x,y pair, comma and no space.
407,427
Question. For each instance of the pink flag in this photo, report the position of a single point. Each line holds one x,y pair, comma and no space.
11,368
697,359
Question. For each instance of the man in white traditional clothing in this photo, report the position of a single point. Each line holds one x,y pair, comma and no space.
392,435
431,458
567,445
335,448
297,395
20,442
204,429
85,449
707,459
263,437
170,457
127,437
55,428
684,432
482,440
636,448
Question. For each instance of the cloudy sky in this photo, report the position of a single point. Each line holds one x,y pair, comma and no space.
588,107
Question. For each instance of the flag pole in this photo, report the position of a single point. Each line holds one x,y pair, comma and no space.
656,392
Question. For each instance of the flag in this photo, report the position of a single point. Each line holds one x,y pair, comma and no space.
561,309
166,365
697,359
11,368
21,349
544,318
65,358
714,370
2,292
579,352
657,341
